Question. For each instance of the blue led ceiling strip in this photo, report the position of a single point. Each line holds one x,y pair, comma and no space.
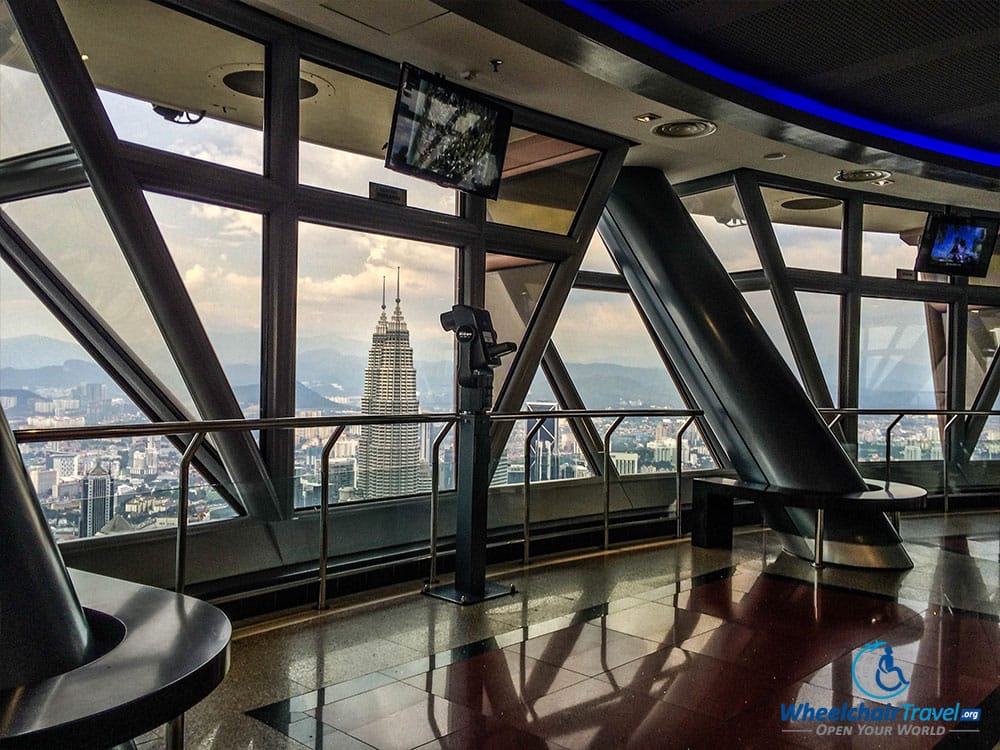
772,92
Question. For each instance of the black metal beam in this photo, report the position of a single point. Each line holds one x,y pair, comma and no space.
51,170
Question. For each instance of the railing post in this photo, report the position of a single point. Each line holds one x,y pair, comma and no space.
180,566
527,487
945,454
324,511
888,449
679,469
435,500
607,479
175,727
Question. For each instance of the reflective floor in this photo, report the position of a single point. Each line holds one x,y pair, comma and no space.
655,646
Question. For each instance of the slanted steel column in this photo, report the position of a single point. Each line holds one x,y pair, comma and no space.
768,426
44,631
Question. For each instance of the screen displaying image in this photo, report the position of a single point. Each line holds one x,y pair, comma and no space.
957,246
447,134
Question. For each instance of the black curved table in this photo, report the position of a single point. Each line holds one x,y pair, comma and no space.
712,505
162,653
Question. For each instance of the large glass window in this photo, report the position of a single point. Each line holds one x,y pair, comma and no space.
762,304
27,120
807,228
544,182
719,215
822,316
344,126
172,82
896,372
598,258
369,344
513,288
889,240
81,247
981,347
629,374
46,378
217,254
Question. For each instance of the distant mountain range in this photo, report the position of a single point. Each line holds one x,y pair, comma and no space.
39,362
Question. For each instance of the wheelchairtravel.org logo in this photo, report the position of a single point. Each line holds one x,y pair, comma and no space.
878,678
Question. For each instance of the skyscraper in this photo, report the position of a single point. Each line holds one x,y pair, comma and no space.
97,506
388,456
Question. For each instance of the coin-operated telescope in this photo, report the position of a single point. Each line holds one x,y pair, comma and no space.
478,354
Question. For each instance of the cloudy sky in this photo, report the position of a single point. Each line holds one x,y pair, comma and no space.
217,252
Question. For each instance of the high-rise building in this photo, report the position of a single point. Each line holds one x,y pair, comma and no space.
97,506
545,444
388,456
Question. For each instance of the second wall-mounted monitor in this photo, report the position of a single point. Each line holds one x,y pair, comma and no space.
957,245
447,134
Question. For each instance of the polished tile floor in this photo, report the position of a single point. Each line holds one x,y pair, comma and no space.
654,646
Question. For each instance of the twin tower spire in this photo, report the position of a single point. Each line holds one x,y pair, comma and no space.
397,289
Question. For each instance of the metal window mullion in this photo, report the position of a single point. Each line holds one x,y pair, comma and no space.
789,310
50,170
57,60
957,343
849,356
279,264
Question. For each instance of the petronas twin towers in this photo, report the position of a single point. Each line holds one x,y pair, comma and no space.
388,456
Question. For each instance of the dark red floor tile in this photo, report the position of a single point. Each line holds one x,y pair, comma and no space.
499,682
699,683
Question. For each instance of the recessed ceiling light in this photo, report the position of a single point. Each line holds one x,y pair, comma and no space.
85,57
647,117
248,79
810,204
251,83
775,156
685,129
862,175
883,182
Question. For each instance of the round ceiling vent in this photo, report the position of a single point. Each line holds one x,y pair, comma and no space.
862,175
809,204
685,129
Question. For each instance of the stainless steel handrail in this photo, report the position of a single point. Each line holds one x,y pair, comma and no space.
678,467
899,414
180,566
52,434
619,415
324,510
200,429
526,480
435,501
607,478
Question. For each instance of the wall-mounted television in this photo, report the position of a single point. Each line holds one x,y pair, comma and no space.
447,134
957,245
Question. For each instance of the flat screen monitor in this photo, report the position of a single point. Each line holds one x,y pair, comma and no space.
447,134
957,245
